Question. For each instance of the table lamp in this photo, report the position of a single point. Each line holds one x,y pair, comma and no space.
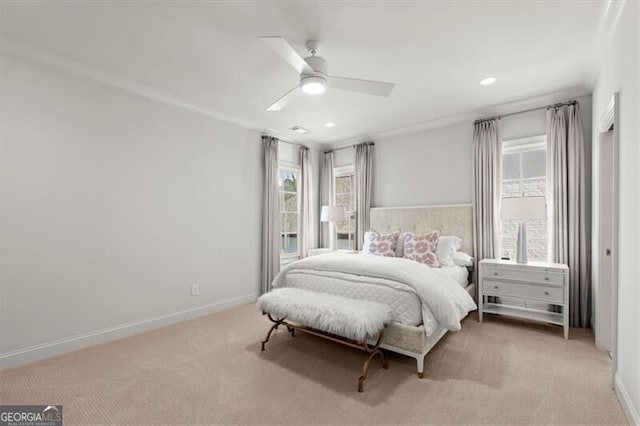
333,214
523,208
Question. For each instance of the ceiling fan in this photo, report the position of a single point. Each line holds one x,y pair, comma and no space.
313,74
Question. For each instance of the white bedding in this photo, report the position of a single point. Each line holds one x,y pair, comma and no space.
443,302
404,302
459,274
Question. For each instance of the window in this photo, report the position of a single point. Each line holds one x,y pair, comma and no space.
288,200
345,196
524,173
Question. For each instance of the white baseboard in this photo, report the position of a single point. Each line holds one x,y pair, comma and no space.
630,410
74,343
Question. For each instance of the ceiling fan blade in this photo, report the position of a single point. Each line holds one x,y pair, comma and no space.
377,88
284,49
284,100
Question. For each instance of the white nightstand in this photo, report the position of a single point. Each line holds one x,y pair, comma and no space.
317,251
533,284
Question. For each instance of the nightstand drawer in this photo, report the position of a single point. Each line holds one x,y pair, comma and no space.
524,291
543,277
515,284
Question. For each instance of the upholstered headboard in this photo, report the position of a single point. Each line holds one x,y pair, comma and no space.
452,219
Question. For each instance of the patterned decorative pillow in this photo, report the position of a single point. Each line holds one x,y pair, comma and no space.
421,247
380,244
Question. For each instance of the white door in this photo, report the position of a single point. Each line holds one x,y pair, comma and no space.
605,248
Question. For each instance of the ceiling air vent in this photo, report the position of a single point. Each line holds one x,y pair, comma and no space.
300,130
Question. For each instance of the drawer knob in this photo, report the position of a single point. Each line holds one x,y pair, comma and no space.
495,286
495,273
546,278
546,293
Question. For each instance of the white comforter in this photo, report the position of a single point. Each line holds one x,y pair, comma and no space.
444,301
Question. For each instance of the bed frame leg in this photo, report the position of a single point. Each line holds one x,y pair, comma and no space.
420,362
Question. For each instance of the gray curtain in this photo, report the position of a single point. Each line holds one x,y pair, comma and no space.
307,234
270,214
566,199
487,148
363,182
326,194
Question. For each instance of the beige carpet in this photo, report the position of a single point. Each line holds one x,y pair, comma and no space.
211,370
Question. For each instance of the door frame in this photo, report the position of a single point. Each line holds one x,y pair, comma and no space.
611,117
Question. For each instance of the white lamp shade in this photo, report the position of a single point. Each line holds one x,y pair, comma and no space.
333,214
523,208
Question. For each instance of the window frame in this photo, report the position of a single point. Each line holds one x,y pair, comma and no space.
287,166
343,171
523,145
534,143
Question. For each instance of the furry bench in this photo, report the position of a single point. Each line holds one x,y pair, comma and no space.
350,318
339,319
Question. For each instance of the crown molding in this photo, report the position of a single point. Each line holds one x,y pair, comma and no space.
33,54
469,116
19,49
25,51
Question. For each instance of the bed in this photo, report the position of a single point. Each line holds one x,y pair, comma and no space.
422,314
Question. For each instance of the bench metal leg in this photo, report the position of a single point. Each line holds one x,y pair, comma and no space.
273,327
277,323
372,350
365,367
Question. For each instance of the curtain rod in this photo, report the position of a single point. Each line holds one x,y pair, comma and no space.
299,145
350,146
293,143
289,143
548,107
331,150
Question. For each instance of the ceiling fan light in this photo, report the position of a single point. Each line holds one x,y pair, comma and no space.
313,88
487,81
313,85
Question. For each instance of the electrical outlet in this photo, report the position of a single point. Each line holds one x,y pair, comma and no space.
195,289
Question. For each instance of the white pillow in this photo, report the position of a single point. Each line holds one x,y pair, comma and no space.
447,246
461,258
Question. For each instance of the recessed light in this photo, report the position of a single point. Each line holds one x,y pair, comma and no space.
487,81
330,124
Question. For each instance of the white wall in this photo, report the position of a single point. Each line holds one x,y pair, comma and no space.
430,167
434,166
113,205
619,72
